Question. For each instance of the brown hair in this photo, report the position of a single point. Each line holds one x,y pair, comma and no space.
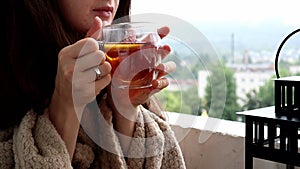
35,31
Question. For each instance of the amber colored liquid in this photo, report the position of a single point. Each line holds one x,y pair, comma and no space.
117,52
114,50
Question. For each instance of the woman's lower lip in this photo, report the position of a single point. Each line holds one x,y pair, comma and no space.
104,14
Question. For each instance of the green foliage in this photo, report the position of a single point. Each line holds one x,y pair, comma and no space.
231,106
191,99
265,95
171,101
186,102
252,101
224,89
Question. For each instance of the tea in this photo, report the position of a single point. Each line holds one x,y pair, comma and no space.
116,51
134,63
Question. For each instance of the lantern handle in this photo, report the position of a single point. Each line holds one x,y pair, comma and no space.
279,48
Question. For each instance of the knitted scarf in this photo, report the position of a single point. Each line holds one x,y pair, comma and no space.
35,143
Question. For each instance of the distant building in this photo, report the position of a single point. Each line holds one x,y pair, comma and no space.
294,69
202,82
247,77
250,80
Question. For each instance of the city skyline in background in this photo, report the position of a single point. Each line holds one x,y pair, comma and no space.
244,34
251,25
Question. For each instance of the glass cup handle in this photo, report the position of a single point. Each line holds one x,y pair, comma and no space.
101,45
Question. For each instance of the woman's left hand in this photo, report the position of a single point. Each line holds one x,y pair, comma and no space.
135,97
124,102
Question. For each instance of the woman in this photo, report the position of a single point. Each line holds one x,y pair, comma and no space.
49,41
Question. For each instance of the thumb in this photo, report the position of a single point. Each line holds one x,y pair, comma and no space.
94,31
163,31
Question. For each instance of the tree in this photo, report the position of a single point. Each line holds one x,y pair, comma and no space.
228,84
192,100
252,101
186,101
266,94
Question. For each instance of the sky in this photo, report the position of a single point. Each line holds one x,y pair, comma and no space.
245,11
250,20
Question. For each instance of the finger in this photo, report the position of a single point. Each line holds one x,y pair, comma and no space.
95,30
82,77
164,51
151,38
89,76
105,69
160,83
163,31
87,45
90,60
80,48
102,83
166,68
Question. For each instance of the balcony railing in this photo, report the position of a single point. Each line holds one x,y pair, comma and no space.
209,143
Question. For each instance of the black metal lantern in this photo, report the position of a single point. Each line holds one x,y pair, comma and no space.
287,89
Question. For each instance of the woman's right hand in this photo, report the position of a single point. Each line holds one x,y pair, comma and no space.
76,83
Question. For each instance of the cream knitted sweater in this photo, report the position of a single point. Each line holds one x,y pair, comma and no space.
35,143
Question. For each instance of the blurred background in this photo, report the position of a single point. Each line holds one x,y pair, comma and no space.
245,35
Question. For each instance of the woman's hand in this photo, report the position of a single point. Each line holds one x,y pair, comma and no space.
76,81
76,84
135,97
124,102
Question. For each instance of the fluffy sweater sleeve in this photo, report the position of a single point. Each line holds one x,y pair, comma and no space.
154,144
6,153
36,144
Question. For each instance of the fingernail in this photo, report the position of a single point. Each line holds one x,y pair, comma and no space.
158,84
